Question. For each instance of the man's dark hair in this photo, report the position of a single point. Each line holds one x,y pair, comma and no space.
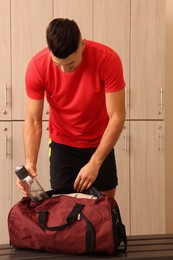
63,37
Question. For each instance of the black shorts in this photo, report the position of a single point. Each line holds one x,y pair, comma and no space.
66,162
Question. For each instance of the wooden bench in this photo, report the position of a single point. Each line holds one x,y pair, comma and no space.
139,247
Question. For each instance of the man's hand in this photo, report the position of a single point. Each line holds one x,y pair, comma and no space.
23,186
86,177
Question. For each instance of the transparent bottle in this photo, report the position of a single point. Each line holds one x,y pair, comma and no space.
32,186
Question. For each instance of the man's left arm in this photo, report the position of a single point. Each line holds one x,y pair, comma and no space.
115,104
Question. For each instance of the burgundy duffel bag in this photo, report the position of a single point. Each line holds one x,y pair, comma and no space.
67,223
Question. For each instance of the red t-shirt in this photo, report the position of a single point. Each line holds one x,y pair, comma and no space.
78,114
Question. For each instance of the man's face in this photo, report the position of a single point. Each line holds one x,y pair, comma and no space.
70,63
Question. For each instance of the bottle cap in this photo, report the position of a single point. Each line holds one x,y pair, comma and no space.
21,172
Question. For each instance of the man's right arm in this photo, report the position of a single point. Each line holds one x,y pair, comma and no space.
32,133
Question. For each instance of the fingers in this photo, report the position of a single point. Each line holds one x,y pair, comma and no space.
82,184
31,170
86,177
22,186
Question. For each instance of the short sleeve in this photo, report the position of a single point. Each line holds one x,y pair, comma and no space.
113,78
33,82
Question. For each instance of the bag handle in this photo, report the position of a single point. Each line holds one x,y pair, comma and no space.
72,217
91,191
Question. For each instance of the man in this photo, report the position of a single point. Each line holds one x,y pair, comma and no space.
84,86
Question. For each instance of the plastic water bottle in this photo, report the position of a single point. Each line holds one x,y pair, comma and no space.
32,186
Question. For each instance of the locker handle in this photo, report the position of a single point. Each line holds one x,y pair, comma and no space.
126,98
5,99
160,142
5,93
125,143
161,97
6,140
5,145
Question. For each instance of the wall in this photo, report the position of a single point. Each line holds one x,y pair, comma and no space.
169,116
